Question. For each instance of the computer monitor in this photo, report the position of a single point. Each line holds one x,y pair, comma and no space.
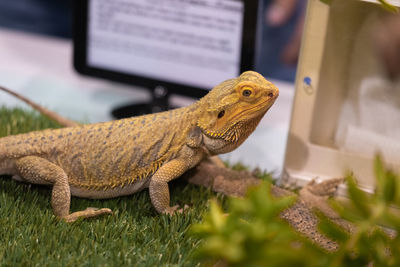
168,46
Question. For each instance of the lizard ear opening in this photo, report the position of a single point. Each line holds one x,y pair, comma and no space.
221,114
194,138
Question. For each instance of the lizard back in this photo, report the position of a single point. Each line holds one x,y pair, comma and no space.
110,154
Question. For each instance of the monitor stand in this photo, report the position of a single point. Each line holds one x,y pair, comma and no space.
159,102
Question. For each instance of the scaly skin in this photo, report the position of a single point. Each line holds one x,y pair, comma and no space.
121,157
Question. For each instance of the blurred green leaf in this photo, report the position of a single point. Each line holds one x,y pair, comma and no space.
389,6
254,234
217,216
358,197
251,231
387,182
332,230
379,174
389,191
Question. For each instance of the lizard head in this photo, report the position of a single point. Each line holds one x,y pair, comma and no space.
233,109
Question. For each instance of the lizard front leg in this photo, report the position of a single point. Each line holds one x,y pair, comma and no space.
158,188
38,170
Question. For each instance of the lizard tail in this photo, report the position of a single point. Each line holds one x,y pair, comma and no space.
48,113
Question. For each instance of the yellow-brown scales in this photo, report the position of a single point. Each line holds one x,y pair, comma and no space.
116,153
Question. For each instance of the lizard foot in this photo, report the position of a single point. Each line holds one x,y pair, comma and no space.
317,194
175,209
87,213
324,188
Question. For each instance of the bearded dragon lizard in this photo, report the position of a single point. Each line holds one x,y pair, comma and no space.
121,157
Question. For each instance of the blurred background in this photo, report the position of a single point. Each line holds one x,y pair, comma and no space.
281,29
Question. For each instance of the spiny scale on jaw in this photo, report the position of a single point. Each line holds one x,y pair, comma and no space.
233,136
239,131
215,134
229,135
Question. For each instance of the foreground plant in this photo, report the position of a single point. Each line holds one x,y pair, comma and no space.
371,215
252,234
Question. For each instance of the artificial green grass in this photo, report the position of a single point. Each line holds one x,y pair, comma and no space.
135,234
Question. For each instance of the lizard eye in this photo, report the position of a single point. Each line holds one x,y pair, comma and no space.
246,92
221,114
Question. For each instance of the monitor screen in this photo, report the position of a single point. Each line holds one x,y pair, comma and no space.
191,44
194,42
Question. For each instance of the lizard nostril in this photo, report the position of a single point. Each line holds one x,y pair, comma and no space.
270,94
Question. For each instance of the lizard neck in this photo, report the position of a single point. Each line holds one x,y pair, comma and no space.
232,138
223,132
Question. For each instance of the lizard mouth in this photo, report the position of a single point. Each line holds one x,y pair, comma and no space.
254,111
230,132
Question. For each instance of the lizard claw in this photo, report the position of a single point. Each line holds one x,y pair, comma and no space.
175,209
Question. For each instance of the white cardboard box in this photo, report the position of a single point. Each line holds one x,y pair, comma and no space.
344,109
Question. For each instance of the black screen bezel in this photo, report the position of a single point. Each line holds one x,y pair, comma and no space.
247,59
